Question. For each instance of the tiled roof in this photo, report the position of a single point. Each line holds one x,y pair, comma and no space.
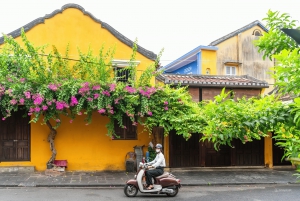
234,33
118,35
244,81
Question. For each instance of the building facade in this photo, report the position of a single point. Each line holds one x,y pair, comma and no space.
84,147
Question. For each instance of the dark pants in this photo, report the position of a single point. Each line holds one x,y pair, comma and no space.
153,173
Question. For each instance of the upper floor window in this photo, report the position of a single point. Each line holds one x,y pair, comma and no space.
121,72
257,32
230,70
126,132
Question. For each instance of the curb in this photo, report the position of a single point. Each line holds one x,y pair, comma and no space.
122,185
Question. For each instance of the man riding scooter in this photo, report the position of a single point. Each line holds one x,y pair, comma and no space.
158,164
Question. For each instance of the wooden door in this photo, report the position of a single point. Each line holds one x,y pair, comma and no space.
215,158
250,153
184,153
277,155
15,138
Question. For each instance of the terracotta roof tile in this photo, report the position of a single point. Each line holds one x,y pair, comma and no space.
243,81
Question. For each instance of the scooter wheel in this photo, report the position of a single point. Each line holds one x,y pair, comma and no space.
174,193
130,190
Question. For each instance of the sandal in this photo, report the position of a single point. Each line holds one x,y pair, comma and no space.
150,188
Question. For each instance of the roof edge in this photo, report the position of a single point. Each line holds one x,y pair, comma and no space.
118,35
193,51
234,33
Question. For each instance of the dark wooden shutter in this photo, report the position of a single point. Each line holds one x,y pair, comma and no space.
128,133
15,138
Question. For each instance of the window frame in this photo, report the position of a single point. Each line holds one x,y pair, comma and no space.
123,133
231,67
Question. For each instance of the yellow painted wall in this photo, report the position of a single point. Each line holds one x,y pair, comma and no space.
85,147
209,60
80,31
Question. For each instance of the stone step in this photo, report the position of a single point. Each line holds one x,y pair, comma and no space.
17,169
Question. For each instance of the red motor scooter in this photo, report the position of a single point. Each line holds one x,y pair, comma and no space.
163,184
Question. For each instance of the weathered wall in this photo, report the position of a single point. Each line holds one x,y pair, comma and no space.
194,92
210,93
241,48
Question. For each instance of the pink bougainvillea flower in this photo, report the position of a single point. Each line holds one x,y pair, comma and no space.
130,90
27,94
13,102
89,99
9,79
9,92
134,123
37,109
49,103
106,93
96,96
29,114
22,101
22,80
166,108
45,107
3,119
73,101
71,121
38,100
79,113
59,105
112,87
96,87
149,113
111,111
101,111
166,103
53,87
57,120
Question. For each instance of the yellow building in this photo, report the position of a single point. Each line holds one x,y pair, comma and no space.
84,147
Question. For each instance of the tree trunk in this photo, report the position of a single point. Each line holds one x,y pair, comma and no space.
50,139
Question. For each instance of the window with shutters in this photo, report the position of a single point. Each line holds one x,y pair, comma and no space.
122,74
128,132
230,70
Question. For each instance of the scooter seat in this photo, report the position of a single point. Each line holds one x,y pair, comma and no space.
166,174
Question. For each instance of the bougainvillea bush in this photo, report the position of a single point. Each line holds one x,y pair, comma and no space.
51,85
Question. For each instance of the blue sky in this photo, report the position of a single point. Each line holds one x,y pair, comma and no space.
177,26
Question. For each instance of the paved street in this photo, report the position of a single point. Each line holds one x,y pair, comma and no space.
188,177
211,193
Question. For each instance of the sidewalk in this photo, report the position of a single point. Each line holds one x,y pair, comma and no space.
191,177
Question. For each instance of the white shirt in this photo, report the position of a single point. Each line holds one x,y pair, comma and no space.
158,161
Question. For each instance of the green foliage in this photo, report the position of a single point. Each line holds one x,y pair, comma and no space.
287,71
275,40
52,85
244,119
152,153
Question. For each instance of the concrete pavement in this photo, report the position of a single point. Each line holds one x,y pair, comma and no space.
188,177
